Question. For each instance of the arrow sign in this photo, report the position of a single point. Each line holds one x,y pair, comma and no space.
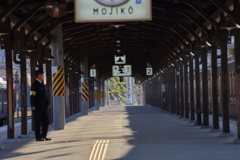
120,59
126,70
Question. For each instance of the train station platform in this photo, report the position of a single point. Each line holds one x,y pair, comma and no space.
126,133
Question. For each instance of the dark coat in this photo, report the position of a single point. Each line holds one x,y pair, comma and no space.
38,96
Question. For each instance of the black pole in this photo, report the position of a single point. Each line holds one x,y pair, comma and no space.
186,100
191,90
197,90
215,113
205,87
224,83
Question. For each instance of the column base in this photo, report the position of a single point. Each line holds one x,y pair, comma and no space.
205,127
196,124
32,132
1,147
11,141
185,119
24,136
191,121
215,130
225,135
180,117
236,141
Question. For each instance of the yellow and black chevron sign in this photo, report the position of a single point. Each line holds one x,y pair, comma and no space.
58,82
97,93
85,94
103,94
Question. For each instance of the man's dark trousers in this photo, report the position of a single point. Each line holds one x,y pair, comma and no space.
41,117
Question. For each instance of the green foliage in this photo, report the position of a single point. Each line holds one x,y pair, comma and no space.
117,88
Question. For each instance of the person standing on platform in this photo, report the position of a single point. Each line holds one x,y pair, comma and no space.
40,105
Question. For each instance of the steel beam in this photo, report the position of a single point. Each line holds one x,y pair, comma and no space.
197,91
10,8
191,82
205,102
181,90
24,125
225,82
9,76
215,112
186,92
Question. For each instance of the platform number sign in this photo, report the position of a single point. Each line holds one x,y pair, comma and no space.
138,1
149,71
93,73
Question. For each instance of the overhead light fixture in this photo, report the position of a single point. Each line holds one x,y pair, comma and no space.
70,66
29,48
180,59
172,64
48,57
192,53
229,25
118,39
209,44
118,25
202,44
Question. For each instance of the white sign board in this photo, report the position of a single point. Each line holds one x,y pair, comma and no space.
120,59
54,69
149,71
125,71
112,10
93,73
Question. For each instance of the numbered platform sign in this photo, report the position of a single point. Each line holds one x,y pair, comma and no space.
149,71
93,73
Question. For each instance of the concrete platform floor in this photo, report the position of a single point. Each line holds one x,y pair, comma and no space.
126,133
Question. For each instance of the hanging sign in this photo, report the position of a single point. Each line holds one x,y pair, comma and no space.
117,71
93,73
112,10
120,59
149,71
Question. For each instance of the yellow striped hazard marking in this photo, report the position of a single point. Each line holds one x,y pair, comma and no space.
97,93
103,94
85,94
58,83
99,150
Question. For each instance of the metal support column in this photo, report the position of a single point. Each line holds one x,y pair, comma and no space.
9,76
191,81
24,126
85,86
58,78
49,90
173,90
197,90
96,93
224,82
186,89
215,114
205,87
178,91
181,92
237,79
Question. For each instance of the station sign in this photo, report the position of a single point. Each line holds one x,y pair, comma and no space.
93,73
117,71
149,71
120,59
112,10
